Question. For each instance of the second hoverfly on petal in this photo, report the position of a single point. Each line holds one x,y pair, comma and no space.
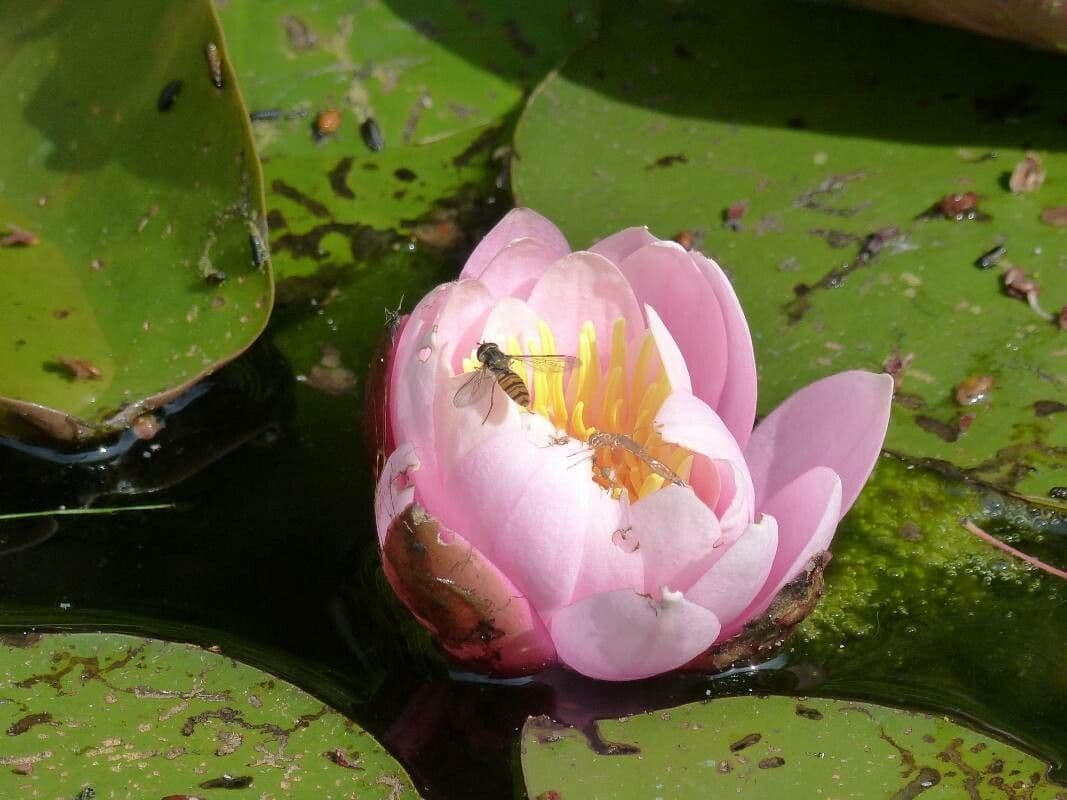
496,368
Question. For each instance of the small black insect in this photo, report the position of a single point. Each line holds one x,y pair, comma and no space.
228,782
991,257
265,114
372,135
1058,492
88,793
260,256
169,95
216,278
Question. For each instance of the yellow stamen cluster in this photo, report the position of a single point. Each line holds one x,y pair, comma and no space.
621,397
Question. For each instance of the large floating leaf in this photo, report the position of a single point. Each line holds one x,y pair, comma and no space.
140,212
142,718
776,747
832,125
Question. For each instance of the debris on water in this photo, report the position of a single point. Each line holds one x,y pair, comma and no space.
1017,283
330,375
668,160
990,257
731,217
973,389
298,34
1028,174
81,369
875,241
17,237
326,123
813,199
896,365
372,135
1055,216
260,256
958,206
684,238
341,759
169,95
227,781
214,63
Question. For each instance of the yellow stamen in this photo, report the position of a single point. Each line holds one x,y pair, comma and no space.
621,397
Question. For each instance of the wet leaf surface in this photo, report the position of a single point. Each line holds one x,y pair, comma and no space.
138,180
870,183
140,717
772,747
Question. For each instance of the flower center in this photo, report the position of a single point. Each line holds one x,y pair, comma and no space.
621,397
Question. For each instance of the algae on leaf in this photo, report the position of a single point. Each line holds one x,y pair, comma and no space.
141,717
138,178
775,747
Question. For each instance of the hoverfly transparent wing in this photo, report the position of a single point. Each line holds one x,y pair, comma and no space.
546,363
474,388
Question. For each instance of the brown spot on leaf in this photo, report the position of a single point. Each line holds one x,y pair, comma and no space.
973,389
772,763
808,712
292,193
669,161
1045,408
745,741
17,237
30,720
79,369
338,177
342,759
298,34
1028,174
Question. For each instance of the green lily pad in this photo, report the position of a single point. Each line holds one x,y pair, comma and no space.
133,717
833,144
145,198
433,81
773,747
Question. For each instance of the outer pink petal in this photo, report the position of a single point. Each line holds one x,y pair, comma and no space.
737,403
619,245
838,422
584,286
474,611
515,269
619,636
610,562
735,579
677,535
511,317
686,420
807,510
669,355
530,509
396,489
664,276
519,223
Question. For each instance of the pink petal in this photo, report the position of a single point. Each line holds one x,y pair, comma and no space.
610,562
475,613
838,422
677,535
807,510
580,287
530,508
736,506
664,276
619,245
515,269
735,579
620,635
395,490
686,420
669,354
737,403
519,223
511,317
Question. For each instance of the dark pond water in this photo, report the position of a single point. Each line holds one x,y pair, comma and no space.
270,552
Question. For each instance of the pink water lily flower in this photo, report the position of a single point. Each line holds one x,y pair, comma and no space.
518,545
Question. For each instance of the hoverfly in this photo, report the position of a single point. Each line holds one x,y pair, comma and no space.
621,441
496,369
